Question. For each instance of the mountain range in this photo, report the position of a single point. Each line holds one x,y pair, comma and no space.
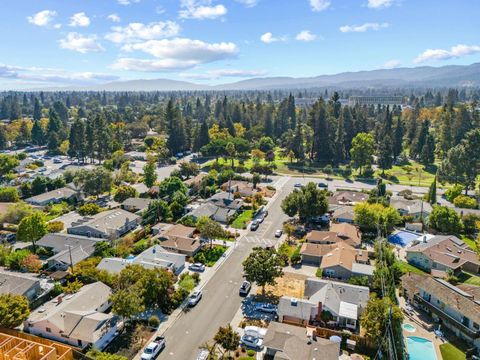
423,76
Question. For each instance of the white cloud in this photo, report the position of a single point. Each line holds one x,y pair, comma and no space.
127,2
137,31
215,74
268,38
391,64
442,54
306,36
114,18
82,44
42,18
248,3
319,5
200,9
79,20
174,54
378,4
362,28
52,76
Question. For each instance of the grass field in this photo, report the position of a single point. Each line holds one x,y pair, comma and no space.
406,267
468,278
451,352
241,221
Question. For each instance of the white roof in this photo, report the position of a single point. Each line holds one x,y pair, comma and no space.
348,310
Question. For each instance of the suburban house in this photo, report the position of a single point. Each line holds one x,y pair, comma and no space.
453,308
290,342
78,319
136,204
416,208
343,214
110,224
19,284
179,239
330,302
347,198
196,180
244,188
442,253
339,261
339,233
154,257
214,212
66,193
68,249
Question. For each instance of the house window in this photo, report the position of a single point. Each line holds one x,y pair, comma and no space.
79,342
48,330
476,326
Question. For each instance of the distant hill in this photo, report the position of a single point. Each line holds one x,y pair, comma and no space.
423,76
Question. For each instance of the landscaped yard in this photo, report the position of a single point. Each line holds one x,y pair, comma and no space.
241,221
210,255
406,267
451,352
470,242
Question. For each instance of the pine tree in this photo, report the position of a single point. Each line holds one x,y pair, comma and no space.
321,146
297,145
398,138
384,154
38,136
90,140
432,192
427,156
202,138
340,142
54,124
37,110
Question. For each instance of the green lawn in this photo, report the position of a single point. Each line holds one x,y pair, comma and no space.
414,174
210,255
468,278
241,221
406,267
56,210
450,352
187,282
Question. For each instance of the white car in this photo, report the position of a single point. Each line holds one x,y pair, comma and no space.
278,233
197,267
252,341
153,349
266,308
194,298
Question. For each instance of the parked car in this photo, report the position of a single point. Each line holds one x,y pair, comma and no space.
322,185
298,185
254,225
154,348
266,308
245,288
251,341
197,267
278,233
194,298
57,161
203,354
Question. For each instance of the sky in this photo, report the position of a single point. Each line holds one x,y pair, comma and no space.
85,42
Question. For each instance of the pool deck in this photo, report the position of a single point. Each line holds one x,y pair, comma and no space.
424,329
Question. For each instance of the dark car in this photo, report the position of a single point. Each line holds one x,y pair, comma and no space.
322,185
254,225
245,288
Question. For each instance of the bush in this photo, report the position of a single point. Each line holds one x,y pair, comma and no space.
296,258
319,272
9,194
368,172
124,192
55,226
250,352
465,202
453,192
328,169
154,321
471,223
89,209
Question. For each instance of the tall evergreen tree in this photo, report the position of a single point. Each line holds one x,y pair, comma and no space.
398,138
427,156
37,110
432,192
38,136
339,143
384,153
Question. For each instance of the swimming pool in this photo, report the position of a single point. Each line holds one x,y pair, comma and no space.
402,238
409,327
420,349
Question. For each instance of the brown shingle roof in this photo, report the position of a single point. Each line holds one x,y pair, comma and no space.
185,244
348,232
179,230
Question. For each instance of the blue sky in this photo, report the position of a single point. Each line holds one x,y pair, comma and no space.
73,42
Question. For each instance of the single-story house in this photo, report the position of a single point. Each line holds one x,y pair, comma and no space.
337,260
136,155
68,249
141,188
224,199
212,211
290,342
66,193
452,307
416,208
16,283
244,188
196,180
136,204
343,214
110,224
443,252
79,319
348,198
179,238
339,233
160,227
343,302
154,257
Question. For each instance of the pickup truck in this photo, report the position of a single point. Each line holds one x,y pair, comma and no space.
154,348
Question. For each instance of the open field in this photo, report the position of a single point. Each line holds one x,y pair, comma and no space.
289,285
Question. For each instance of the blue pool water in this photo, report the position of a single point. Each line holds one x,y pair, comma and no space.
420,349
402,238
